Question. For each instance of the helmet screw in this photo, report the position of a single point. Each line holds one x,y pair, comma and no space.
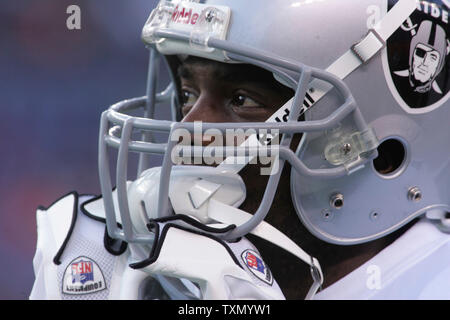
210,15
414,194
346,148
337,200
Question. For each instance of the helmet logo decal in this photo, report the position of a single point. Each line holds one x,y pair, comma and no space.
417,54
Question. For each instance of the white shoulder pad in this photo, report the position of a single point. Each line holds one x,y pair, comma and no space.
54,226
65,237
58,221
96,209
186,249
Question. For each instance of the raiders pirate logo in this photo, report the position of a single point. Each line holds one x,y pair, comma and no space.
418,57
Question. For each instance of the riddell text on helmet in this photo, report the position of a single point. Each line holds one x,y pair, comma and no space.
184,15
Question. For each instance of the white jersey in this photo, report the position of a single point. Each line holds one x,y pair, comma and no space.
76,259
414,267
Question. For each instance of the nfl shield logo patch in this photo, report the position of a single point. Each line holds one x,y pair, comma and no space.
256,265
82,271
83,276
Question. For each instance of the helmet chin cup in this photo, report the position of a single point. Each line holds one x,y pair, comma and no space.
191,188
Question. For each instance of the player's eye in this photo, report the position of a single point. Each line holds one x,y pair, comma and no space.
242,101
188,98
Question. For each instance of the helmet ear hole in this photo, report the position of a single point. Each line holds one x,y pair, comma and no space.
391,155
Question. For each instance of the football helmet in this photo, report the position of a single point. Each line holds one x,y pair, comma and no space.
374,152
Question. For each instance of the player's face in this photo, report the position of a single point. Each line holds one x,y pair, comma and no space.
219,92
425,63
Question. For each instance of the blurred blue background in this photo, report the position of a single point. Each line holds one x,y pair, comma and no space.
54,84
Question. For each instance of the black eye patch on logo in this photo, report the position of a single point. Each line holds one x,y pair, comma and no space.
418,55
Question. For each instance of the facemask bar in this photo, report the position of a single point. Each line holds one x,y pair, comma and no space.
123,125
144,159
116,115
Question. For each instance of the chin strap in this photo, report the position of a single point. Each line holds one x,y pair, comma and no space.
229,215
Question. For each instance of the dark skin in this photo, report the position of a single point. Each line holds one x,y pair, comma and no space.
218,92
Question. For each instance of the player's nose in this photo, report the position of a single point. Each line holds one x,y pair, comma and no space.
207,108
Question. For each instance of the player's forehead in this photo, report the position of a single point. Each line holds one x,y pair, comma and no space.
193,67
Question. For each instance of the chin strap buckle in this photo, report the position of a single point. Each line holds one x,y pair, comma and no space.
368,46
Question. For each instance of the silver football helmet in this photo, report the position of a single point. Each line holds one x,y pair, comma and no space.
375,152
